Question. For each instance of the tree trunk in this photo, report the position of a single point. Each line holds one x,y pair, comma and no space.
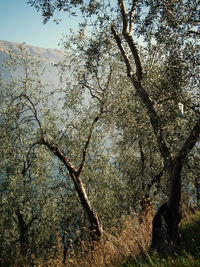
96,229
165,236
23,234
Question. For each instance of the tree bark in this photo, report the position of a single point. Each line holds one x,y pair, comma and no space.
23,234
96,229
165,236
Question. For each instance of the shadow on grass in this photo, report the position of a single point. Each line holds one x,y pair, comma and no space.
188,253
190,237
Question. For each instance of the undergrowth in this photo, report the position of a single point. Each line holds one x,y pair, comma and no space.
129,247
188,253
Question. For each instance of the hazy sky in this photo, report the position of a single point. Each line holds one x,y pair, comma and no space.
19,22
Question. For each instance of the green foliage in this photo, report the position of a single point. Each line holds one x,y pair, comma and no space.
29,188
36,187
95,118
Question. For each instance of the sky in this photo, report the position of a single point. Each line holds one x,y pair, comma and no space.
20,22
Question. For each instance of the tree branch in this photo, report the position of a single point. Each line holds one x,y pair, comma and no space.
131,13
193,108
57,152
102,103
124,15
142,157
87,144
33,109
193,32
27,161
190,141
156,178
128,37
119,44
155,120
91,91
154,117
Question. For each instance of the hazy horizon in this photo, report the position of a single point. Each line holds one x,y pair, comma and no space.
20,22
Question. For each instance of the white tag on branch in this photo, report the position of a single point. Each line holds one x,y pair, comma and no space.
180,110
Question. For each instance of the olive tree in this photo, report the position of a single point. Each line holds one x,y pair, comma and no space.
175,27
62,122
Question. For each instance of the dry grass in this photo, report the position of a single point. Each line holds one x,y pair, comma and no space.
128,246
116,245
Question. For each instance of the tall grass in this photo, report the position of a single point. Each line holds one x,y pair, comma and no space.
188,253
129,246
116,247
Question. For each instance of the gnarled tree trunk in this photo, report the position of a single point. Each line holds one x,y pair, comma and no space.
165,236
23,233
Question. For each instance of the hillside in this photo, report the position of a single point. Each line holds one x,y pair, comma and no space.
49,57
47,54
130,249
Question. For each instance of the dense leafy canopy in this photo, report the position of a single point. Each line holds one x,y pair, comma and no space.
112,134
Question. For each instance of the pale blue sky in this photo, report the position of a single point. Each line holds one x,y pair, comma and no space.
19,22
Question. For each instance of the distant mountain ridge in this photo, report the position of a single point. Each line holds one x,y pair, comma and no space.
48,54
49,57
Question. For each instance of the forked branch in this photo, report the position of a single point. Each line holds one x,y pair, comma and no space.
57,152
128,36
123,53
143,94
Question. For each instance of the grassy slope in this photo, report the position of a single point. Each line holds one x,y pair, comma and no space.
124,247
188,253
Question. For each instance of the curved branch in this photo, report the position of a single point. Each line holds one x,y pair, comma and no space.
128,37
190,141
131,13
87,144
123,53
57,152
